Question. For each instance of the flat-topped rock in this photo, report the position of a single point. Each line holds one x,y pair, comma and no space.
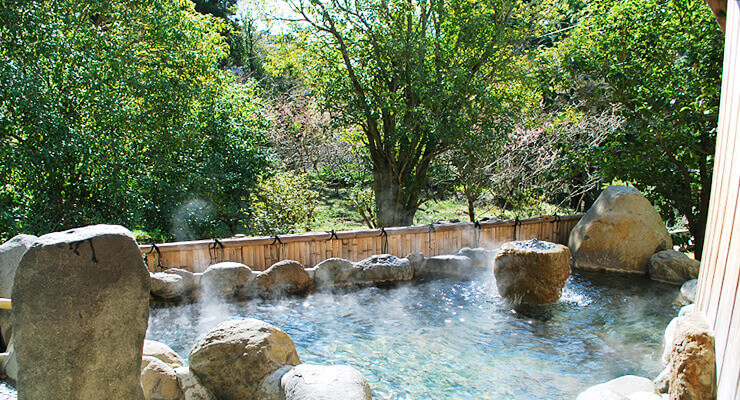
80,314
531,272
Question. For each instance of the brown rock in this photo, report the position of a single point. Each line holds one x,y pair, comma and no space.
692,362
618,233
163,352
225,279
671,266
233,359
287,277
531,272
158,380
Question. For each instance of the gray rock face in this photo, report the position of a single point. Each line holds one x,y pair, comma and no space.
80,313
481,257
532,272
285,277
318,382
334,272
416,260
225,279
692,360
674,267
688,290
619,389
190,386
618,233
11,253
168,286
383,268
191,280
234,358
447,265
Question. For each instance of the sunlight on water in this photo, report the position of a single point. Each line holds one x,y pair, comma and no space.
460,340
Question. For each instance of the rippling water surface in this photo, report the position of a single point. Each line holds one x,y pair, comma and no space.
459,340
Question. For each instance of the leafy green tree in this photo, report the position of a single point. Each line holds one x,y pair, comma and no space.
418,77
116,112
284,203
658,65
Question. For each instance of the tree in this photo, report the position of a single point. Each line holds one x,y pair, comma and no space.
658,65
418,77
106,109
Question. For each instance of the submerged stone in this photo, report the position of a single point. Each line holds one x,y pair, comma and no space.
625,387
321,382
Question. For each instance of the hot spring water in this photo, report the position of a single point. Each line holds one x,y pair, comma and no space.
459,340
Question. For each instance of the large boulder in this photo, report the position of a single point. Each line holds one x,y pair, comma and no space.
531,272
80,314
158,380
225,279
319,382
622,388
234,358
671,266
447,265
618,233
692,361
190,386
11,253
285,277
384,268
164,353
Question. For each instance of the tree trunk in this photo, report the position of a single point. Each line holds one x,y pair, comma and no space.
392,207
471,209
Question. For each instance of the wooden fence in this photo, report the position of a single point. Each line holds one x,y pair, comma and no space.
718,295
309,249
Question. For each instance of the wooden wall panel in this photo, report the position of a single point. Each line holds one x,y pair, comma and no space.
718,296
311,248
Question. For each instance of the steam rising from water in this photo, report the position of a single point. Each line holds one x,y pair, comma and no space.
446,339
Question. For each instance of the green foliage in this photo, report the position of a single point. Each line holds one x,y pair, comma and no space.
658,64
418,78
283,203
115,112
